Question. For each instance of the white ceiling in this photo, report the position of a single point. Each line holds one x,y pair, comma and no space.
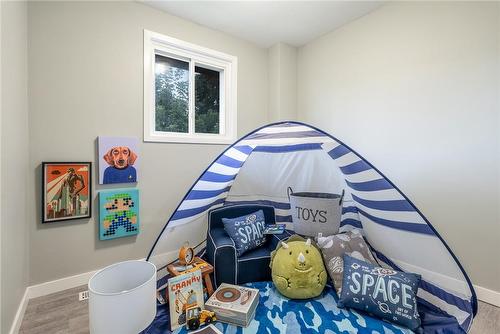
268,22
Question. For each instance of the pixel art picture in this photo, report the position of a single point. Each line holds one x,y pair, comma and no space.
66,191
118,213
118,159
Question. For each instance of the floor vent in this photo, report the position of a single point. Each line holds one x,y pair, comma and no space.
84,295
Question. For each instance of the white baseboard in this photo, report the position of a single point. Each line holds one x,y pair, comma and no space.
488,296
61,284
18,319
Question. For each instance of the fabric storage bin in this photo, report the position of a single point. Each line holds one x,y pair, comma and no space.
314,212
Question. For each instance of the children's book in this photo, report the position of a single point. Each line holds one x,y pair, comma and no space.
274,229
184,291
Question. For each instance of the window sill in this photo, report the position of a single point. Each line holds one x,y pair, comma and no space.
189,139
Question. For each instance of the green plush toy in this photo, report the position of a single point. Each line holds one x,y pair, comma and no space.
297,269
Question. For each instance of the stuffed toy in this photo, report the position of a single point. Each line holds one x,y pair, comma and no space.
297,269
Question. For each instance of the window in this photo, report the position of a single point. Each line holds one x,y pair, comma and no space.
189,92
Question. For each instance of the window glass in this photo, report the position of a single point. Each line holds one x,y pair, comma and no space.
171,95
207,100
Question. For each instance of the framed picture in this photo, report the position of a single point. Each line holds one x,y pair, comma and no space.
118,159
118,213
66,191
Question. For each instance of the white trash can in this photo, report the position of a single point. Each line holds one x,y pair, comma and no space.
314,212
122,298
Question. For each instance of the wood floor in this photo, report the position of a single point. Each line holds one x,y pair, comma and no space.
58,313
62,313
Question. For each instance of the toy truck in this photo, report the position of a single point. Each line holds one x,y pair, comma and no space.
197,317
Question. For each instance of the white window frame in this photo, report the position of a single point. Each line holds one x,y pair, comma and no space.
155,43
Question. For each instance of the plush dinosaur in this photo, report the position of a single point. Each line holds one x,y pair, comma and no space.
297,268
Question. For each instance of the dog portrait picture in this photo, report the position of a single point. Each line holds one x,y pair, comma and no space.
118,159
66,191
118,213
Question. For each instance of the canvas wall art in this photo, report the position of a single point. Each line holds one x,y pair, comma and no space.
118,213
66,191
118,159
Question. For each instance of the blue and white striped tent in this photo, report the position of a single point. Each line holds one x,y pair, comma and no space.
258,169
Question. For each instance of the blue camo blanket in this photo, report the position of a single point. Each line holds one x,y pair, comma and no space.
277,314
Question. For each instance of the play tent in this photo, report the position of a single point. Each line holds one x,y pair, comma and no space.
259,167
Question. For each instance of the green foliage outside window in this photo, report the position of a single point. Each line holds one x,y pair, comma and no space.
207,106
172,97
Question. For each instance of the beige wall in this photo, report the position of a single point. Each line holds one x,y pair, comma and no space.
282,82
86,74
413,87
14,162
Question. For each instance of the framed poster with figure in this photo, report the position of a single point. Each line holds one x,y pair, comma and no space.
66,191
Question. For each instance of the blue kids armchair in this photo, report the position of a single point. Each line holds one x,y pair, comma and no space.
252,266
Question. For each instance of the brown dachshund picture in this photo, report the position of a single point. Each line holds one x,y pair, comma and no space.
120,170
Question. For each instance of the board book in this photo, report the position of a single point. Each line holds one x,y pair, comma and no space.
184,291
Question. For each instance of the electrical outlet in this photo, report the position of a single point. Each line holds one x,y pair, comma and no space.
84,295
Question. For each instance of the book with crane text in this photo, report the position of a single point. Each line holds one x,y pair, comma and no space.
184,291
